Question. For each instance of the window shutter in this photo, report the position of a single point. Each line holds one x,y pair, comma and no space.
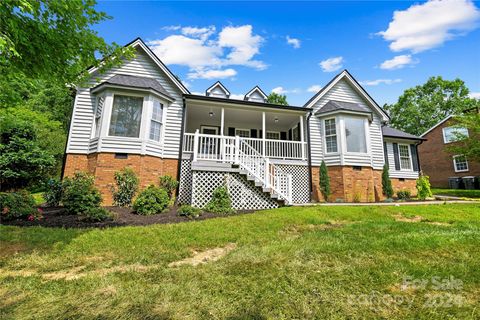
413,151
385,153
283,135
290,135
298,131
253,133
396,156
231,132
260,132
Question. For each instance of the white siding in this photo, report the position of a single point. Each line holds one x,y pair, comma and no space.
342,91
391,164
82,119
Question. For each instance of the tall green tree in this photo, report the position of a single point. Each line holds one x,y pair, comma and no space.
468,146
421,107
324,181
276,98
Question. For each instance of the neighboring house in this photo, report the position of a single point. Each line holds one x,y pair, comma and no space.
440,164
141,116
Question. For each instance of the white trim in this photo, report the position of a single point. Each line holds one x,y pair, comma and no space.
344,136
276,132
455,164
145,103
409,157
325,135
242,129
345,74
256,88
439,123
453,127
217,84
209,127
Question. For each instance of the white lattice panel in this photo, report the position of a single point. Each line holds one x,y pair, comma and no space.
185,188
245,195
300,184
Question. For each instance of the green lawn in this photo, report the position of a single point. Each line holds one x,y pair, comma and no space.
309,262
474,194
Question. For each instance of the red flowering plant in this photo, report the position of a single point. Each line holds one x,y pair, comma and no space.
17,205
36,216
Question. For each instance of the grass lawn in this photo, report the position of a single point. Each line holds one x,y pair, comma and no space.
474,194
294,262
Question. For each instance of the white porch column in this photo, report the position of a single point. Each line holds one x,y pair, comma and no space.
302,138
195,145
222,121
264,134
222,141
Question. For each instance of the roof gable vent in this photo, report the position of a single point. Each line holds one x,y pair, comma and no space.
217,90
256,95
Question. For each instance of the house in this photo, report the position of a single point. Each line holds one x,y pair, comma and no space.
440,164
140,115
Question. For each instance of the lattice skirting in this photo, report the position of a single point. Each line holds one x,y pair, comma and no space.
245,195
300,184
185,188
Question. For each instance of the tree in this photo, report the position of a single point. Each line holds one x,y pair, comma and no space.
468,146
22,159
421,107
276,98
324,181
386,182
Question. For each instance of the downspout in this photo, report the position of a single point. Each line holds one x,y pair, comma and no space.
180,152
418,157
310,183
64,161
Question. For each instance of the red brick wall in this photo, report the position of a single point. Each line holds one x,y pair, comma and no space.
406,184
104,165
437,162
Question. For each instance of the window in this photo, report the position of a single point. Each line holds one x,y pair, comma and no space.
330,135
126,116
273,135
156,121
243,133
452,134
355,135
404,154
98,115
460,163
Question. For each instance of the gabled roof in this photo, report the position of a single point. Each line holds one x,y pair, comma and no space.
360,90
128,81
139,43
439,123
255,89
333,105
395,133
217,84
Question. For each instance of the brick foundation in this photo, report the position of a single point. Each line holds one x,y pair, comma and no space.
350,185
406,184
104,165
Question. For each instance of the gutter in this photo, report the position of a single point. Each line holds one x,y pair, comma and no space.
310,183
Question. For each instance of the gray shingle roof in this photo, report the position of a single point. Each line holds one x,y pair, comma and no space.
334,105
136,82
395,133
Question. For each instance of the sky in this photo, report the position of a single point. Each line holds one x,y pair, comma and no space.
295,48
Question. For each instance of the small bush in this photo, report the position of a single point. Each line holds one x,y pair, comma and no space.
220,202
126,187
189,211
324,181
15,205
97,214
403,195
151,200
423,188
53,193
169,184
80,195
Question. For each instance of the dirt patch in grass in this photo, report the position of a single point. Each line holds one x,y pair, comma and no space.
204,256
296,230
11,249
416,219
57,217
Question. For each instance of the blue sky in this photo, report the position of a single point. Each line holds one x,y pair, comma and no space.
296,47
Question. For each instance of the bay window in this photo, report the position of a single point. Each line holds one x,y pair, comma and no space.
98,115
126,116
156,121
355,135
330,135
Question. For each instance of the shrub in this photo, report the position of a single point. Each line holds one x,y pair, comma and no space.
97,214
127,186
80,195
16,205
403,194
324,181
53,193
169,184
387,188
189,211
220,202
151,200
423,188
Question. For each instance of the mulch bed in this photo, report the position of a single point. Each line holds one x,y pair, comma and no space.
55,217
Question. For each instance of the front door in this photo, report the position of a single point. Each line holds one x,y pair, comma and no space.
209,146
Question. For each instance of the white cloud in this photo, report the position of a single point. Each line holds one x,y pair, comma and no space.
475,95
212,73
295,43
315,88
279,90
397,62
331,64
379,81
210,54
429,25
